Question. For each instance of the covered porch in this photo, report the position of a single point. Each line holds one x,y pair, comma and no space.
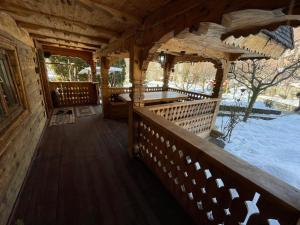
139,160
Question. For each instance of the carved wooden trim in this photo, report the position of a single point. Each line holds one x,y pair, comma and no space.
212,185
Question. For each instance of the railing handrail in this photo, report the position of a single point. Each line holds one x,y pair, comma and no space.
176,104
276,190
192,95
72,82
190,92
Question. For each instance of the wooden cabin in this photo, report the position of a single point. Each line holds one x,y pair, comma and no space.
155,165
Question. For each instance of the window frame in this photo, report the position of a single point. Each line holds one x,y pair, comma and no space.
20,110
11,81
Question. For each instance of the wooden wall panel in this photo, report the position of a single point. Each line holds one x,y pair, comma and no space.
19,141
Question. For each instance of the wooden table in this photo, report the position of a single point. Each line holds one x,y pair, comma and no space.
157,97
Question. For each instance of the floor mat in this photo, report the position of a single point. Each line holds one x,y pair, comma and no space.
85,111
61,116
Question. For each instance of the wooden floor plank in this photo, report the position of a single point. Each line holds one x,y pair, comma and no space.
82,175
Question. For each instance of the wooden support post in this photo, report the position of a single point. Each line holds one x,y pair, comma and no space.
105,64
93,71
221,75
42,70
168,66
137,77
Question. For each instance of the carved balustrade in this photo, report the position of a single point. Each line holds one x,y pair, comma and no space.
212,185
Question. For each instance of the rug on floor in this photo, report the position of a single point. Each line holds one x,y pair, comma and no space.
61,116
85,111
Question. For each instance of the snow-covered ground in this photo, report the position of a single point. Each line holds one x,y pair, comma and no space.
292,102
273,145
229,99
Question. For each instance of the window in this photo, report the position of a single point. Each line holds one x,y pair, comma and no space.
10,105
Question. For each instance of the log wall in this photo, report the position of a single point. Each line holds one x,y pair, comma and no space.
19,141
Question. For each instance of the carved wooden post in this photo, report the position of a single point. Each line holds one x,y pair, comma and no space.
104,85
221,75
137,77
93,70
168,66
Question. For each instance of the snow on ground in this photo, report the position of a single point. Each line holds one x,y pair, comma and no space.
229,99
273,145
292,102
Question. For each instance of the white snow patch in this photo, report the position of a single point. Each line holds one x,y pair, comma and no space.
272,145
292,102
230,99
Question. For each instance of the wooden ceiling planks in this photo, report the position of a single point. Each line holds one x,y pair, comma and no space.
113,25
86,21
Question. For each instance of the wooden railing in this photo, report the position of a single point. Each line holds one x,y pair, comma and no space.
113,90
212,185
192,95
153,89
194,116
74,93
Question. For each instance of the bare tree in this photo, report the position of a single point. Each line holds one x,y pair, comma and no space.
234,118
188,75
259,75
184,79
205,72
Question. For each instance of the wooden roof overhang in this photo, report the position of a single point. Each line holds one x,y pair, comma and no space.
237,35
216,29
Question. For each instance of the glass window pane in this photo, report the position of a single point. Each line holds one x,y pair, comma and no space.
10,107
6,83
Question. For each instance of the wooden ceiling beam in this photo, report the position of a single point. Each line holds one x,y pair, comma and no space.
48,33
64,39
61,43
116,14
171,10
85,55
30,27
66,46
82,32
22,14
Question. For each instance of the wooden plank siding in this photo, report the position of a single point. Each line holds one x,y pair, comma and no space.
82,174
18,142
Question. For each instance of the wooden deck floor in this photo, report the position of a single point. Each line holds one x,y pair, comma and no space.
82,175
